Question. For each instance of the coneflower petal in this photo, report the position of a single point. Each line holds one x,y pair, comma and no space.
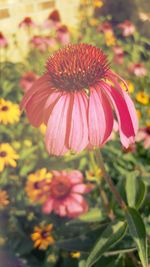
122,109
34,108
100,118
78,135
57,127
40,84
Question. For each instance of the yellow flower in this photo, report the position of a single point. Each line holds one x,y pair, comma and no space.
42,236
98,3
93,22
42,128
142,98
51,258
37,186
16,145
27,143
2,241
4,201
8,156
9,112
110,39
130,86
138,113
94,177
75,254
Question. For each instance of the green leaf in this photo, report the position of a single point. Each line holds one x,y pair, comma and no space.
138,233
94,215
141,194
82,263
135,190
113,234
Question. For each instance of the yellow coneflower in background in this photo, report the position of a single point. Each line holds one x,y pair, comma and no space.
75,254
4,199
37,186
8,156
130,86
9,112
138,113
98,3
42,128
110,38
142,98
93,22
42,236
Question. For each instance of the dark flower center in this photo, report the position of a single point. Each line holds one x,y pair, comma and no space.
37,185
44,234
54,16
3,154
77,66
148,130
28,20
60,187
30,78
4,108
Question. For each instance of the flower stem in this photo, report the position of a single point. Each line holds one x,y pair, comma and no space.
103,195
109,181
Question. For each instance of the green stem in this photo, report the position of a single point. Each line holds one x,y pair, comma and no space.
103,195
109,181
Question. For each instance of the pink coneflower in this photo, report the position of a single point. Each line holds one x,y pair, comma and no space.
42,43
144,135
27,22
118,54
27,80
105,27
3,41
66,190
63,35
127,28
76,98
53,20
138,69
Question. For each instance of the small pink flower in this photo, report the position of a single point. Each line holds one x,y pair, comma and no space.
144,135
53,20
76,98
3,41
63,35
42,42
27,80
118,54
66,190
105,27
49,41
127,28
138,69
27,22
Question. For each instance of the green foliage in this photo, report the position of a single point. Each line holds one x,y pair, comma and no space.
113,234
98,241
138,233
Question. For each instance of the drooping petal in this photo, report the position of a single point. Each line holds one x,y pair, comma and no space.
57,127
40,84
100,119
123,108
50,103
35,108
78,135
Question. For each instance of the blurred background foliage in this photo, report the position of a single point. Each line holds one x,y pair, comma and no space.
96,23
